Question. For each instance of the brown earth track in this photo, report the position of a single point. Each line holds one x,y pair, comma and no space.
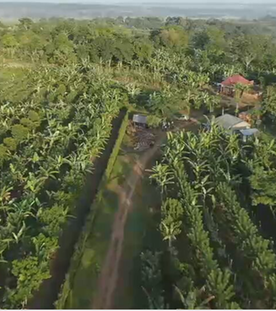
108,278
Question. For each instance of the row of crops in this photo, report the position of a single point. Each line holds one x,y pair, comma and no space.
54,122
214,255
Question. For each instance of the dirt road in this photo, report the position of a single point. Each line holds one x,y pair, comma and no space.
109,274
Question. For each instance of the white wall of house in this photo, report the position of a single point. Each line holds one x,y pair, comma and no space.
241,125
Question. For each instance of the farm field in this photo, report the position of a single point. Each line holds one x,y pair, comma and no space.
137,164
42,179
206,207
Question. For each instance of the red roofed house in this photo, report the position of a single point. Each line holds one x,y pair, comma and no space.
237,79
228,86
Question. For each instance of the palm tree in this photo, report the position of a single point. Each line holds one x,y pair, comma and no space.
5,194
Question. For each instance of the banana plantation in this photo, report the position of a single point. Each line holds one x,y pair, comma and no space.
49,139
214,252
63,86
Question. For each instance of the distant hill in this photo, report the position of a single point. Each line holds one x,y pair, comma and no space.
11,10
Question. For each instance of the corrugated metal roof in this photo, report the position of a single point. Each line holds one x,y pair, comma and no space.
249,132
137,118
227,121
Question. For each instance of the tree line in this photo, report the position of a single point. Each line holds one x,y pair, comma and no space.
208,43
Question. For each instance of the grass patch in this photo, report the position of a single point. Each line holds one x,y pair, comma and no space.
81,286
97,220
84,283
7,74
140,233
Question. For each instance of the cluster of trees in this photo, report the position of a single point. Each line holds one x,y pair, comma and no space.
214,254
164,65
72,41
208,44
47,141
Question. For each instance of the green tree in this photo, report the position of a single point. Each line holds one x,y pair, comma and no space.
26,23
9,42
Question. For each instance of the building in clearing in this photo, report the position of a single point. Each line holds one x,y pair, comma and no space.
236,79
139,120
246,134
231,123
235,125
227,86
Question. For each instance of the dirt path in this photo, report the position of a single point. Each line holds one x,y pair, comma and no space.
109,274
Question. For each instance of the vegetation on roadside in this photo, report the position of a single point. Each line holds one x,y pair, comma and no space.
216,256
65,299
48,141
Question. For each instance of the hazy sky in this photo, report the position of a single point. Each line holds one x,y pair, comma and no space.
145,1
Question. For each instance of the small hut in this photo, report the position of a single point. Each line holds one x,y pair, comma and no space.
248,133
227,86
231,123
139,120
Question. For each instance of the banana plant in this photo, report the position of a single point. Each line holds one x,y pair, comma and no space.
219,285
19,235
162,175
190,301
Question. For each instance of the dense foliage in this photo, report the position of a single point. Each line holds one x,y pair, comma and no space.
166,66
209,183
62,83
48,139
213,47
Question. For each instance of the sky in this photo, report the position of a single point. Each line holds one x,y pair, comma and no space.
145,1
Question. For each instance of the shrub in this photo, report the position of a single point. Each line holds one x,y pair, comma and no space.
3,153
10,143
29,272
19,132
53,218
28,123
34,117
153,121
117,146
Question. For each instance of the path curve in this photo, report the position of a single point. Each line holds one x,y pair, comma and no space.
109,273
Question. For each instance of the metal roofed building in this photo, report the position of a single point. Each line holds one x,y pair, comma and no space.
231,123
249,133
139,119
